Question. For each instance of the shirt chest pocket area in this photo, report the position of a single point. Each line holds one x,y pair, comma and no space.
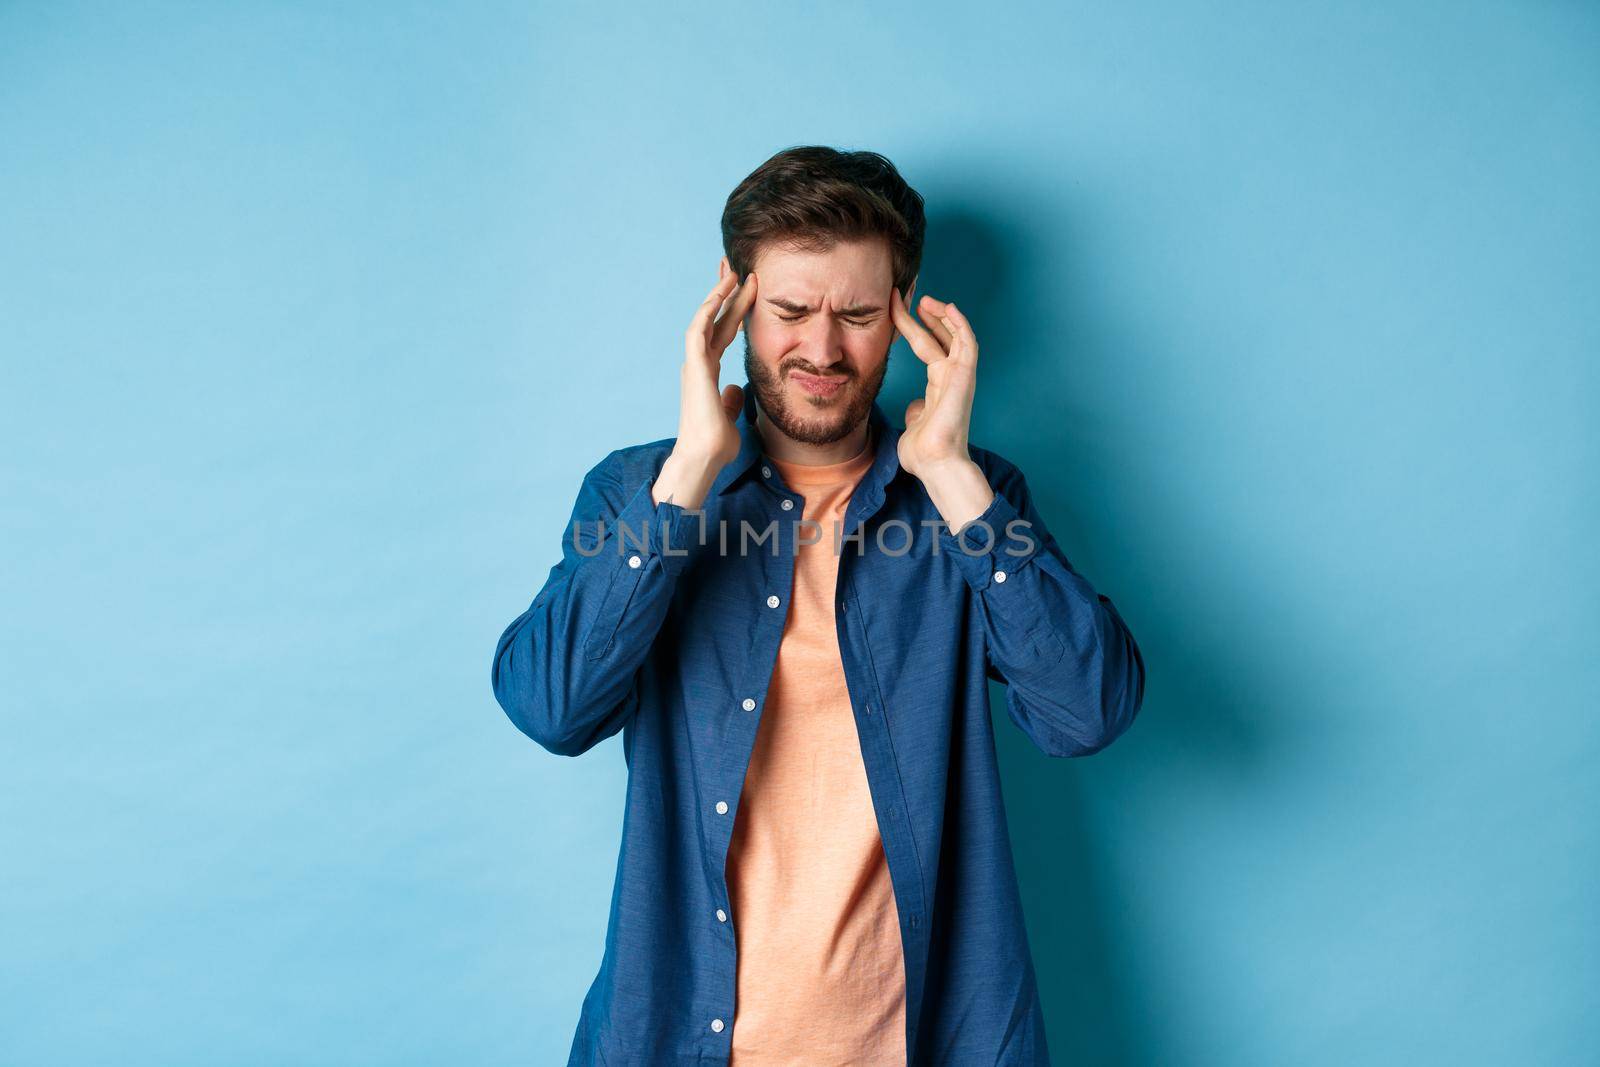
728,592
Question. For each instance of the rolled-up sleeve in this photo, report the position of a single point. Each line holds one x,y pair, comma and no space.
564,670
1074,675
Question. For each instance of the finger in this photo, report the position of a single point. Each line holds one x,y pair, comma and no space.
934,390
933,314
727,325
914,411
749,300
950,397
924,344
738,307
714,301
964,343
695,336
732,400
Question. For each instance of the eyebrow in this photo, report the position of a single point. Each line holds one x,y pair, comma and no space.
796,308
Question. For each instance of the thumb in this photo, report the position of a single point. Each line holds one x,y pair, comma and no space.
914,410
732,401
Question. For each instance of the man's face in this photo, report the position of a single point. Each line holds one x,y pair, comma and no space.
816,343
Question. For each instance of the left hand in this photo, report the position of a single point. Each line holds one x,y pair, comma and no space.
934,444
936,424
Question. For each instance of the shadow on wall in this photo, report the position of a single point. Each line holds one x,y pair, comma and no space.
1046,368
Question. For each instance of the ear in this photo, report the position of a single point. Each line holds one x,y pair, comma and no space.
723,268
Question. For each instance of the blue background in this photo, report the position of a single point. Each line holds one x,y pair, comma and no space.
313,319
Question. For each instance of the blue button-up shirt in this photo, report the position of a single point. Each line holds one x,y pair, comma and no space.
648,626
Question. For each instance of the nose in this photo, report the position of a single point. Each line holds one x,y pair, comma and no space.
820,345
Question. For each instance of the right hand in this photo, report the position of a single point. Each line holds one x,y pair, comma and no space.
708,437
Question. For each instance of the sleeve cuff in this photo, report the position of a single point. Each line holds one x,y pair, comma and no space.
990,548
664,531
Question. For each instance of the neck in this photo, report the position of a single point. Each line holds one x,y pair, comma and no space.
780,445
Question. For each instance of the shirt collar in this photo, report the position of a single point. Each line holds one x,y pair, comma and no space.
885,463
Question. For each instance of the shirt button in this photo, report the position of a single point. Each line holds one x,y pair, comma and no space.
722,807
722,916
633,561
772,601
999,576
766,471
716,1024
747,704
788,505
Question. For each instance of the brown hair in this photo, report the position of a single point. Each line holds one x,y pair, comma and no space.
810,197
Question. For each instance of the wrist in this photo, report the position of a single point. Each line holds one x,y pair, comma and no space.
958,489
685,478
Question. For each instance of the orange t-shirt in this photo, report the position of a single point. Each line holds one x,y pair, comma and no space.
821,978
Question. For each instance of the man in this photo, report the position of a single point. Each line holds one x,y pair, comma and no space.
775,609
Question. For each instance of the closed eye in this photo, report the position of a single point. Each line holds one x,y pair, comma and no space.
853,322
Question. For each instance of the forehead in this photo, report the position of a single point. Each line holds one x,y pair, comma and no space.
850,270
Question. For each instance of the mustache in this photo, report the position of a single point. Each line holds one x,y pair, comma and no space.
787,367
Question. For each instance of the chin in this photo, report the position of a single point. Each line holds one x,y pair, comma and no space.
804,401
819,424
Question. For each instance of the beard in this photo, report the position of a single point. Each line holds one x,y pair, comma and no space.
814,420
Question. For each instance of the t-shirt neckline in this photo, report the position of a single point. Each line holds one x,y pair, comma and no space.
826,473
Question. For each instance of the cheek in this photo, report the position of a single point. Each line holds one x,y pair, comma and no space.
869,345
768,336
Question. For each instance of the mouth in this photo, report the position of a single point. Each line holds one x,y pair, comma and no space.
818,385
